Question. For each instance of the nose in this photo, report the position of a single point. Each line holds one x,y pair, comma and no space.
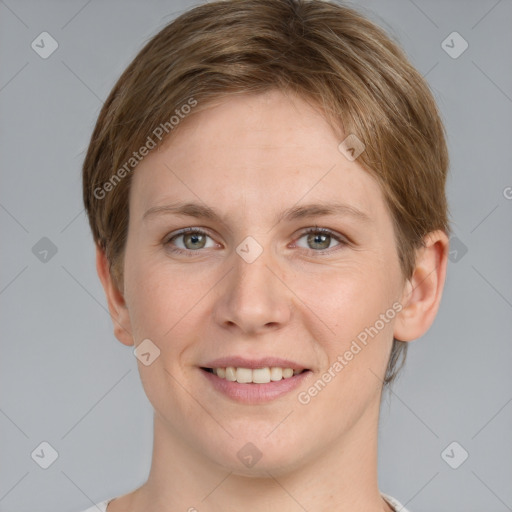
253,299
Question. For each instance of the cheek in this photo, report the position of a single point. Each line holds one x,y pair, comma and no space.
161,306
344,308
343,301
165,301
150,295
349,302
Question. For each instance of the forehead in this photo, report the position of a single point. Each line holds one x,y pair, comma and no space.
254,151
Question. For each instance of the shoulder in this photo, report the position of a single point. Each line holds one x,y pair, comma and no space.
397,506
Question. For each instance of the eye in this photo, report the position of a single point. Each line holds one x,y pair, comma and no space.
320,239
189,239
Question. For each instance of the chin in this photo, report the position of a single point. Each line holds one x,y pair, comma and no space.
259,456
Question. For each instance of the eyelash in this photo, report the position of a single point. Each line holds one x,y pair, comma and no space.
317,230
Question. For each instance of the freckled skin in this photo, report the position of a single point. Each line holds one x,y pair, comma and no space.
249,158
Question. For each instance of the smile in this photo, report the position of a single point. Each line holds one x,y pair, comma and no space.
254,376
254,385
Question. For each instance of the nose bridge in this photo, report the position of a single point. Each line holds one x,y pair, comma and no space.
253,298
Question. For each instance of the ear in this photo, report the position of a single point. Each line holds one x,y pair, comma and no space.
422,292
116,303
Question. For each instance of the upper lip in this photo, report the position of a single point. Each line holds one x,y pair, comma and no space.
242,362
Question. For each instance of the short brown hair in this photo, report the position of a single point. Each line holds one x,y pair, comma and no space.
327,53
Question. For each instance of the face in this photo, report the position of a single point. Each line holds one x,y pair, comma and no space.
253,242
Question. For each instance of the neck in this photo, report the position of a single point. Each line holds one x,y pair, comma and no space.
344,478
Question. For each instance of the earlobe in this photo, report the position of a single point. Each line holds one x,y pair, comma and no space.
115,300
423,291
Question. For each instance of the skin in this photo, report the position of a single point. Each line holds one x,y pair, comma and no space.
251,157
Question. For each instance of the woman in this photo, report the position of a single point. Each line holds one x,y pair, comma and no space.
265,187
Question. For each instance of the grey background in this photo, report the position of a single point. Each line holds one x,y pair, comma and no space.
66,380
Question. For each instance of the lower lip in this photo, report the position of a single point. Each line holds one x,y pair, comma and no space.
255,393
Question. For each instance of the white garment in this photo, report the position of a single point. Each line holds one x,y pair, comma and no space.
397,506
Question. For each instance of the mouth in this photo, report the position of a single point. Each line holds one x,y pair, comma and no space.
254,385
263,375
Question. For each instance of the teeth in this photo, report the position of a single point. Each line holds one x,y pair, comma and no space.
276,373
243,375
230,373
260,375
257,376
287,372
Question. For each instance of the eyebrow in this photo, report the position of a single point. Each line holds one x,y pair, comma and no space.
201,211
